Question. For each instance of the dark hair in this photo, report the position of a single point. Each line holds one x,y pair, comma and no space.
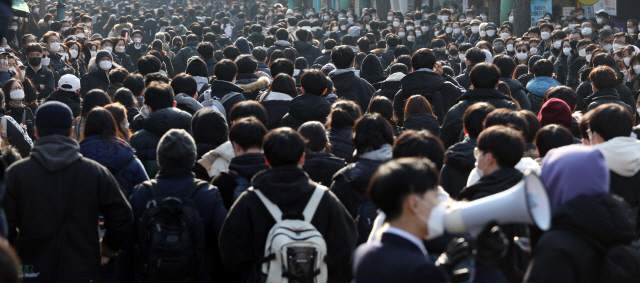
94,98
184,83
533,125
159,96
314,135
381,105
420,144
423,58
6,88
521,69
281,66
371,132
125,97
475,55
314,82
33,47
508,118
563,93
260,53
417,104
250,108
329,44
603,77
610,121
231,52
484,75
247,132
550,137
148,64
398,68
282,34
206,50
505,64
504,143
225,70
100,122
246,64
393,40
396,180
543,68
344,113
118,75
282,83
474,117
342,57
119,114
283,146
135,83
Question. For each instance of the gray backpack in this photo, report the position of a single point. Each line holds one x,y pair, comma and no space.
215,103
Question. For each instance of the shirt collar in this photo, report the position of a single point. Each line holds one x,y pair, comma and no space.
406,235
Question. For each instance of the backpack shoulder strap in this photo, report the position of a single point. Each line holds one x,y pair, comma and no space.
152,186
207,95
313,203
124,167
228,96
273,208
3,122
197,184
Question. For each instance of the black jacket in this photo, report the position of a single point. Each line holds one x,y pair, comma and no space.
221,88
59,67
307,50
351,87
341,144
460,162
573,75
518,93
45,77
586,96
526,78
389,89
248,223
211,64
246,165
355,176
69,98
422,121
125,59
561,69
150,27
563,254
135,54
603,96
452,126
305,108
276,109
387,58
22,115
96,78
252,85
58,192
440,93
323,59
372,72
463,79
322,166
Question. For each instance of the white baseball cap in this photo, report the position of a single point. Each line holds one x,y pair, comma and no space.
69,83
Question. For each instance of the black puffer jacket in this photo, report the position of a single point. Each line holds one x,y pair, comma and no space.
307,50
563,254
389,89
276,109
125,59
323,59
354,177
463,79
526,78
96,78
518,93
22,115
585,91
341,144
440,93
573,75
69,98
604,96
304,108
322,166
460,162
422,121
246,165
351,87
452,126
145,141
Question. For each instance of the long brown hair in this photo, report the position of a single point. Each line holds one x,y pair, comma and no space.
119,113
100,122
417,104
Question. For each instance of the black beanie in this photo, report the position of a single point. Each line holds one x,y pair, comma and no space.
197,68
176,149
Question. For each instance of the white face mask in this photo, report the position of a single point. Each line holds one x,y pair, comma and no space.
389,18
629,30
93,54
534,50
50,22
521,56
469,19
557,44
475,29
120,49
510,47
586,31
105,65
491,32
324,17
545,35
482,33
14,27
74,53
462,58
626,61
504,35
45,61
582,52
54,47
435,33
580,17
418,33
588,57
410,38
17,94
607,47
456,30
511,19
108,48
448,30
396,24
335,28
478,170
261,10
343,27
409,27
599,20
435,222
401,34
636,69
566,51
424,28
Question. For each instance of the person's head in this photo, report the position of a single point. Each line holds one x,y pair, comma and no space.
157,96
564,93
183,83
135,83
406,190
474,55
101,122
423,58
281,66
226,70
284,147
118,75
370,133
92,99
555,111
209,126
484,75
248,109
176,149
125,97
602,77
34,54
315,136
419,144
505,64
342,57
417,104
550,137
609,121
246,64
206,50
543,68
148,64
474,117
283,83
231,52
498,147
344,113
259,53
314,82
382,105
246,134
282,34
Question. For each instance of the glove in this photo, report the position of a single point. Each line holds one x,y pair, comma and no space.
458,250
491,245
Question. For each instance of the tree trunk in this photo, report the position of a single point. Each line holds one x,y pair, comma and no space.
522,15
494,12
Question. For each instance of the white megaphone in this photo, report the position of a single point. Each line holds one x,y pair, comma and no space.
526,202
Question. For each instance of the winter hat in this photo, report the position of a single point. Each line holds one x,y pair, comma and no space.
103,53
574,170
96,36
243,45
175,21
176,149
197,68
354,31
555,111
54,114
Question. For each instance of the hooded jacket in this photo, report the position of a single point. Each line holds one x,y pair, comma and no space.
125,59
518,93
145,142
322,166
456,170
307,50
279,45
372,72
243,45
277,105
341,143
221,88
96,78
586,96
252,85
246,165
323,59
16,135
452,125
179,62
349,86
604,96
390,86
305,108
248,223
387,58
115,155
46,200
537,88
440,93
422,121
256,38
187,103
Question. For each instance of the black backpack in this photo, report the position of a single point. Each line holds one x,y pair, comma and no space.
366,214
117,173
171,237
242,184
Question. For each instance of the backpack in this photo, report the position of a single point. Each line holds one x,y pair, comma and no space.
171,237
242,184
117,173
217,104
365,217
294,251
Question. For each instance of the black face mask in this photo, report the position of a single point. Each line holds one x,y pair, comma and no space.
453,52
35,61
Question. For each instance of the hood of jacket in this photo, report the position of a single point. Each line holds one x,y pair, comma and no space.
483,93
184,99
302,46
179,28
493,183
56,152
114,154
387,56
421,82
460,155
119,27
243,45
220,88
395,77
282,43
384,153
540,85
371,69
95,69
247,165
309,107
163,120
283,184
252,82
276,96
359,174
622,155
62,95
420,121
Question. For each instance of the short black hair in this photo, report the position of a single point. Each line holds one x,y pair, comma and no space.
159,96
155,77
603,77
475,55
206,50
125,97
505,64
474,116
423,58
231,52
393,40
610,121
504,143
315,136
184,83
329,44
363,44
283,146
543,68
509,118
282,34
398,68
250,108
396,180
381,105
484,75
371,132
148,64
314,82
401,50
550,137
259,53
247,132
281,66
420,144
246,64
342,56
225,70
118,75
344,113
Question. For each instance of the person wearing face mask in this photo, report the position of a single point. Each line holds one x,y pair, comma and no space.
490,32
68,92
41,76
573,77
120,55
424,39
561,64
18,89
555,49
58,65
136,49
98,76
588,31
546,43
606,37
475,32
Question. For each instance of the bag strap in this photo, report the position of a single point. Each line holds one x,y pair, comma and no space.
24,116
229,96
152,186
124,167
313,203
197,184
273,208
207,95
3,122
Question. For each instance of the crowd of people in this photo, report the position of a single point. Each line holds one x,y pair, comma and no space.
202,141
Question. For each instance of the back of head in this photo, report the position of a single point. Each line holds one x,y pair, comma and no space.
610,121
206,50
475,55
282,34
125,97
393,40
100,122
225,70
344,113
423,58
148,64
484,75
555,111
381,105
564,93
398,68
314,135
53,118
506,64
247,132
118,75
543,68
371,132
283,147
209,126
281,66
250,108
342,57
504,143
314,82
246,64
603,77
176,149
329,44
508,118
259,53
94,98
550,137
159,96
183,83
474,117
419,144
417,104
